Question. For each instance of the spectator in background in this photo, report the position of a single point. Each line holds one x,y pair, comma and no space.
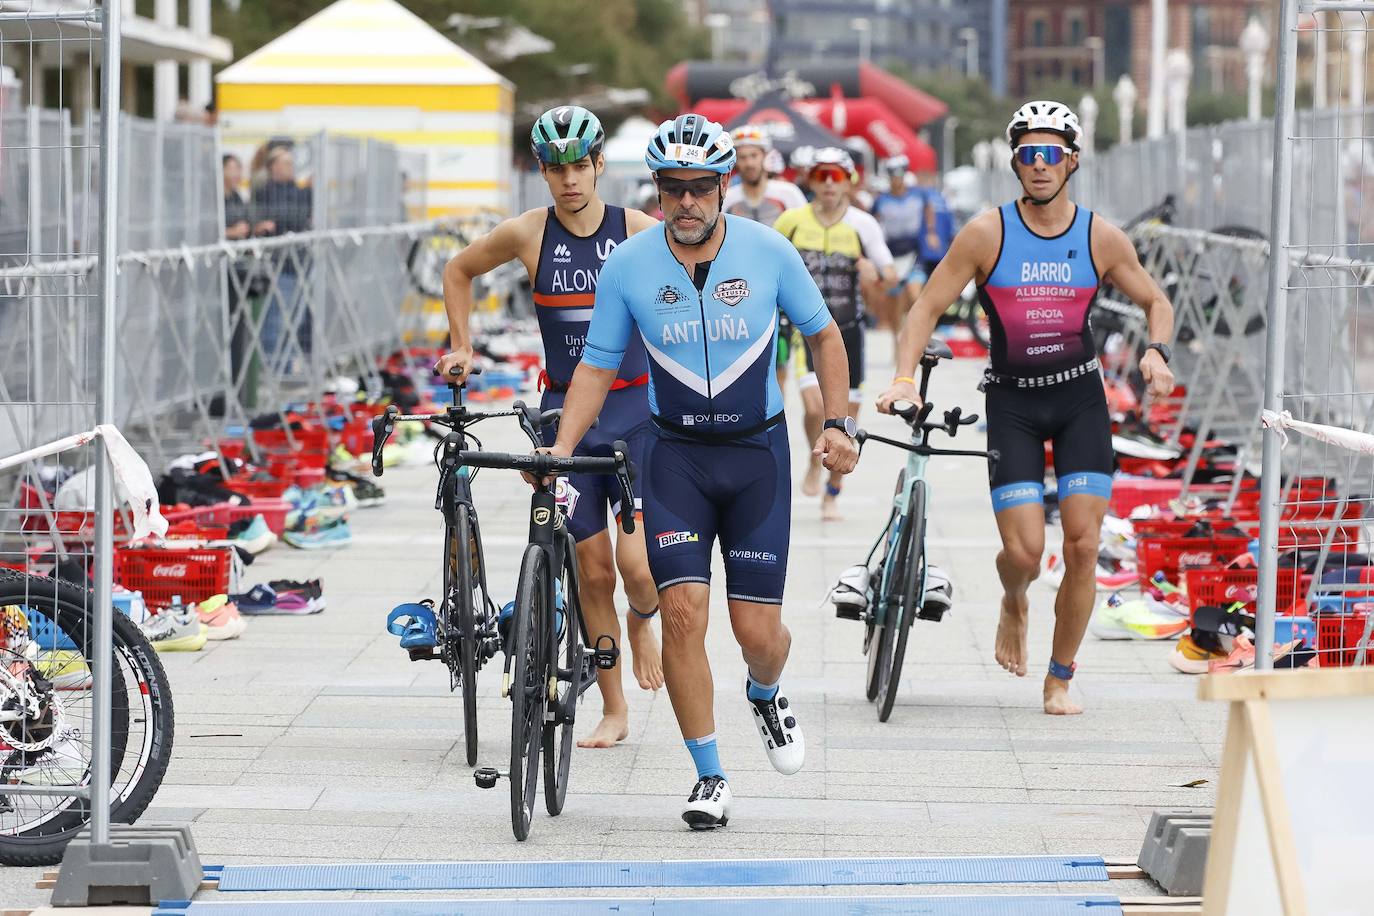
236,224
934,242
281,206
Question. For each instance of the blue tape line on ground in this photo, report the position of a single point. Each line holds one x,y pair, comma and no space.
727,873
997,905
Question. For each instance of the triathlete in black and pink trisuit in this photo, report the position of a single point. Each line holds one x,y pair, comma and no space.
564,294
1044,382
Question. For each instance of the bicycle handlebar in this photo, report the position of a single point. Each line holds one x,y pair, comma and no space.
539,464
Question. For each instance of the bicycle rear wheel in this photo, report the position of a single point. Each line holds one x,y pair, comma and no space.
528,686
459,554
567,657
874,626
909,586
52,746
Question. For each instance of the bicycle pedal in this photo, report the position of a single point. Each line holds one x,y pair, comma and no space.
849,611
928,612
424,654
606,658
486,777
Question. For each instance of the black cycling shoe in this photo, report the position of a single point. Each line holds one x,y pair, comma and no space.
709,804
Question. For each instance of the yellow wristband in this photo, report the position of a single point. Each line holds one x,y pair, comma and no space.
904,378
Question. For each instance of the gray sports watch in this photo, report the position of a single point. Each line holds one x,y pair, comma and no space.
1163,350
845,424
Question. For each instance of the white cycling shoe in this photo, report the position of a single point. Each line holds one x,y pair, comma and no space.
709,804
782,735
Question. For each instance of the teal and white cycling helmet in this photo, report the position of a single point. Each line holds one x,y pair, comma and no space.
566,134
690,141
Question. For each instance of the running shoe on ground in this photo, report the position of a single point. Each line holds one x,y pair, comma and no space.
1242,656
320,537
64,763
66,669
368,493
1137,618
1107,579
782,736
709,804
170,632
256,538
1190,658
221,618
312,591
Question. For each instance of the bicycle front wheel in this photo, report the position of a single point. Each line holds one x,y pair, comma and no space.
528,686
909,585
460,554
51,745
567,655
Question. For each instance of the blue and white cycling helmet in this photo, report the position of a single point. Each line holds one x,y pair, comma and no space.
690,141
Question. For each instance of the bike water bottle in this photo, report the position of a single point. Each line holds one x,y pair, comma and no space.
503,624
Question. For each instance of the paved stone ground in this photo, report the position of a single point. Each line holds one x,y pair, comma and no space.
315,739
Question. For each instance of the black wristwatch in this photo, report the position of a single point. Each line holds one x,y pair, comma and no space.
1163,350
844,424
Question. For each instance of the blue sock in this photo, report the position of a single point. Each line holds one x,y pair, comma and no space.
705,756
757,691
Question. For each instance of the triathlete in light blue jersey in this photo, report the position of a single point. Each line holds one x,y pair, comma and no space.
703,295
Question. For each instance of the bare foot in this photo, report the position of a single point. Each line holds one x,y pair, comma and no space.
644,651
611,730
811,483
830,509
1010,650
1057,700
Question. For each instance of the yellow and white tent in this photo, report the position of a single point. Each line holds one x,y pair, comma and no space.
372,68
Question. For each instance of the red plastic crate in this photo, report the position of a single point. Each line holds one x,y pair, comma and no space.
1129,492
270,488
1224,587
1338,635
1174,556
162,574
273,512
309,445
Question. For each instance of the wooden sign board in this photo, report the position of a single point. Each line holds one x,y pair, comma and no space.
1293,833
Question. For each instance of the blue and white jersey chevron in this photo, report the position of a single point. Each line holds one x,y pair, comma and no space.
711,350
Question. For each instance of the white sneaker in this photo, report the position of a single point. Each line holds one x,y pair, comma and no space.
782,736
709,804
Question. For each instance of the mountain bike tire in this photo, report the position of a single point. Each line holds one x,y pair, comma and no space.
141,726
567,655
913,576
528,686
459,594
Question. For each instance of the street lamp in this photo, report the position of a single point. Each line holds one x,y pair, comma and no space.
864,27
1087,120
1125,96
1098,47
717,23
1254,44
1179,70
969,36
951,125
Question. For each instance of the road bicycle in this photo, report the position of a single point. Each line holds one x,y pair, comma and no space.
895,590
464,632
548,664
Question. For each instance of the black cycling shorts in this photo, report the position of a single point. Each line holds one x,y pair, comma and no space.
1073,416
853,337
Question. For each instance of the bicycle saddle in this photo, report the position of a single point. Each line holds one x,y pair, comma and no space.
938,349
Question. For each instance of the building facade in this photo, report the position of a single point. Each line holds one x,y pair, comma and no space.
1085,42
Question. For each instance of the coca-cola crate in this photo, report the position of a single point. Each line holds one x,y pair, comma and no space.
1339,635
309,445
273,512
1174,556
1224,587
260,488
1129,492
162,574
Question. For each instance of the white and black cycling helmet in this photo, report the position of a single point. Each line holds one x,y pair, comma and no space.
896,166
834,157
690,141
1055,117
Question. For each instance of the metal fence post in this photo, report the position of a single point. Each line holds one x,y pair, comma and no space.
1275,336
104,530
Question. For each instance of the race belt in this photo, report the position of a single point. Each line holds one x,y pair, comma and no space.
1038,381
558,387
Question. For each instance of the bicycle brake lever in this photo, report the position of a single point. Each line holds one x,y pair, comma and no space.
382,427
627,495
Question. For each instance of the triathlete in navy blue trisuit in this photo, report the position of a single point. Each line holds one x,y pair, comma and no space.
703,295
563,248
1038,262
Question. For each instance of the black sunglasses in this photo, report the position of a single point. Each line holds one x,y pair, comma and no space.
677,188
